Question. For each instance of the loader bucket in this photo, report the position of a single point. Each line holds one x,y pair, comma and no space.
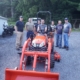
29,75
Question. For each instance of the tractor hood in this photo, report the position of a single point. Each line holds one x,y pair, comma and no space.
39,41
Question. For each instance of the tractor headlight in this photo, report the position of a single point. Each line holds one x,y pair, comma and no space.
34,44
41,44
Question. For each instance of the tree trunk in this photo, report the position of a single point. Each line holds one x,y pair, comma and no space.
12,13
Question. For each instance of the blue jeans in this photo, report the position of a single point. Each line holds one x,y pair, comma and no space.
66,39
59,40
29,33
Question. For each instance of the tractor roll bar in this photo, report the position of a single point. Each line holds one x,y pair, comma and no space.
45,13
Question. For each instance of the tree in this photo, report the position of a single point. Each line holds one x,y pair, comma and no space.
29,8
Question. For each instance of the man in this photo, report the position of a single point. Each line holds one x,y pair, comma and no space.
36,25
59,29
42,27
5,25
19,30
29,28
53,26
66,33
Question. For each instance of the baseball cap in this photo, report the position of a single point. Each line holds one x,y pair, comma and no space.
20,16
66,18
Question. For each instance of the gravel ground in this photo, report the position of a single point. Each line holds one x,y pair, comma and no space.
68,68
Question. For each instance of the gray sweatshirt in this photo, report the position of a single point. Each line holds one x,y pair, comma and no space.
66,27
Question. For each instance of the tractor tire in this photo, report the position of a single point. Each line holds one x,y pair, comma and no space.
28,60
3,34
11,33
58,60
52,61
52,50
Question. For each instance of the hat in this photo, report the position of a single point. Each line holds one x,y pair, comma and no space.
66,18
20,16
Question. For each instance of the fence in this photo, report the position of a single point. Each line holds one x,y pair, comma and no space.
75,23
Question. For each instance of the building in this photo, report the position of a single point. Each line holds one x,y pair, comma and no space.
2,21
34,20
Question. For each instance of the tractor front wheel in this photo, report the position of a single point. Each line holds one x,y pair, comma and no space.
28,60
52,61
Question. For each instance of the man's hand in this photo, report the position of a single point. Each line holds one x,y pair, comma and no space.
26,26
38,28
45,29
68,34
15,29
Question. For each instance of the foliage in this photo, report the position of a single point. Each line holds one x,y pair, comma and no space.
29,8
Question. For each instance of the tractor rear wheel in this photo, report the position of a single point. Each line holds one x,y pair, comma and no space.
52,61
52,50
3,34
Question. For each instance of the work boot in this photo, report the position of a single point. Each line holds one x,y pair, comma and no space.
64,47
18,49
19,52
60,47
21,47
56,46
67,48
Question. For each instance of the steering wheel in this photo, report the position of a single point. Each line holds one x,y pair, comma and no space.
41,32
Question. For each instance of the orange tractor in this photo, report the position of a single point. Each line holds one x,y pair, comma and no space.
36,50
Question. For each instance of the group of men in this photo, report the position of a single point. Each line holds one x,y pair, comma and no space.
31,29
63,30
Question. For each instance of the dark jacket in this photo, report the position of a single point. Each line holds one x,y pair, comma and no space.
20,26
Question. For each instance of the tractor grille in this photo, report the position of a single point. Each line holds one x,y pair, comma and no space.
37,48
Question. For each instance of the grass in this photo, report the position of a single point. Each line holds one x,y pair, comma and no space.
11,23
78,29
